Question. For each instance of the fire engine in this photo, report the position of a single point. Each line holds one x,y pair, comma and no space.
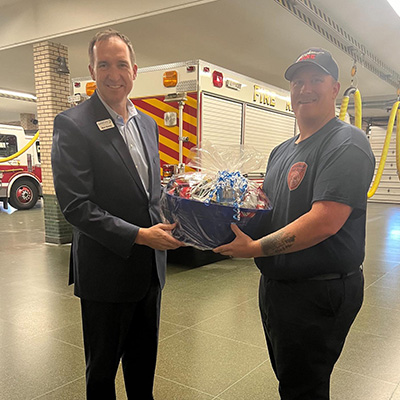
195,102
20,171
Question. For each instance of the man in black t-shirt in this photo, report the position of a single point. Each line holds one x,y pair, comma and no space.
310,255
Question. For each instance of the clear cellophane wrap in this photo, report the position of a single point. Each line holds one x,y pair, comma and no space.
215,194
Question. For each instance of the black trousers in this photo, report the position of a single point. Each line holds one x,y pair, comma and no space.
121,331
306,323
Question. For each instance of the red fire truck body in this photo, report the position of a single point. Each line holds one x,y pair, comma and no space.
20,171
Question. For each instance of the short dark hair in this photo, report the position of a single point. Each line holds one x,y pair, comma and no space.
105,35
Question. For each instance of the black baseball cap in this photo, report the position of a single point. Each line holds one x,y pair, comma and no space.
314,56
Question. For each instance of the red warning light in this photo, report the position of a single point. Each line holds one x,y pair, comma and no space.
218,79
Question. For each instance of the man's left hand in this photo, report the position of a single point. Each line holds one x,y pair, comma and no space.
242,246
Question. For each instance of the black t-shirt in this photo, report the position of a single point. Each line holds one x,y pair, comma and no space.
334,164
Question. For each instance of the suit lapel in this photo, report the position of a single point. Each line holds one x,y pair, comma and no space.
147,144
116,140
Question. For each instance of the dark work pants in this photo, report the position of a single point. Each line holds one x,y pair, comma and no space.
306,323
127,331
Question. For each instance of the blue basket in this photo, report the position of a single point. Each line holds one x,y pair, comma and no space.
207,226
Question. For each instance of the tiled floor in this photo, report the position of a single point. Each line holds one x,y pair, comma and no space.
212,344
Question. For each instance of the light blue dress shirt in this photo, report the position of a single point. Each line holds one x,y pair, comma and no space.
133,140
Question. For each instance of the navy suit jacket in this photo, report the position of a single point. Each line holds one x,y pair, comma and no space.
101,194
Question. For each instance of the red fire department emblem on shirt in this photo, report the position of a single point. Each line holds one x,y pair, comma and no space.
296,175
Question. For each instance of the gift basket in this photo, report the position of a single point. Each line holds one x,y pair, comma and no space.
217,193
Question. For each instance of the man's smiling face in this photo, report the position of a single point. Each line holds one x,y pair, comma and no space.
113,71
313,93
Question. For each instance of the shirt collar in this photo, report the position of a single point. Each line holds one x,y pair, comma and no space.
132,111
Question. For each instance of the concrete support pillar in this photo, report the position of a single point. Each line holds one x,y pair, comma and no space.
52,91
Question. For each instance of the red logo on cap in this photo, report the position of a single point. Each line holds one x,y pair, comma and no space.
296,174
307,57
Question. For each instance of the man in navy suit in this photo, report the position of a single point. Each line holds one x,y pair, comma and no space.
107,178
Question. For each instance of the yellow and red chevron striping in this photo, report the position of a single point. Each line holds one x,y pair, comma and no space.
155,107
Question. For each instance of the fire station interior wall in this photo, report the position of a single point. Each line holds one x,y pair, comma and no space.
221,122
388,190
265,129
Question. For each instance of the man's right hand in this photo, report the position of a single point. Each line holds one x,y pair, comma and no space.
158,237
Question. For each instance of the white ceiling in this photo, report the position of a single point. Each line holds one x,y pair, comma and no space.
258,38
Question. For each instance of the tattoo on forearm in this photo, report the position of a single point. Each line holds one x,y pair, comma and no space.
276,243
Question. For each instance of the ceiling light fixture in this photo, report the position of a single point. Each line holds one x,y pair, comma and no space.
11,94
395,5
